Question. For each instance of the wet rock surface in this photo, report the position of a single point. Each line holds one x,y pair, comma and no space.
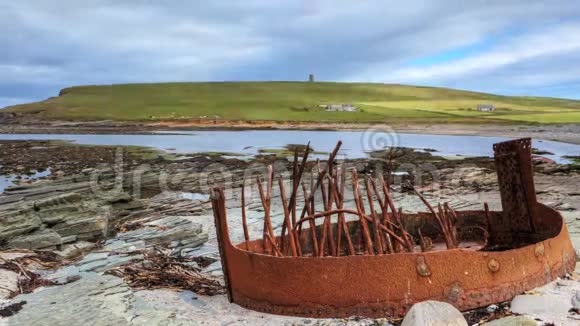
22,157
52,220
94,299
91,205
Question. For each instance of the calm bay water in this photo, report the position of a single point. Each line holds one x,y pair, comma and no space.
356,144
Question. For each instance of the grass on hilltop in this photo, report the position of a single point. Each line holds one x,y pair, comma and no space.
295,101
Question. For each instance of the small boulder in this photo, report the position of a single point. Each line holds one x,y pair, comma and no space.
433,313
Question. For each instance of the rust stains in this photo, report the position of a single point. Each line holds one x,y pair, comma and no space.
373,260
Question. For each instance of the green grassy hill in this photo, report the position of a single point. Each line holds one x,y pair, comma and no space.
296,101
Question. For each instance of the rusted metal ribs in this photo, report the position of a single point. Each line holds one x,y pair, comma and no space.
382,230
372,259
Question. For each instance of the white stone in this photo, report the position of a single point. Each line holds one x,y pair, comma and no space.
433,313
539,305
492,308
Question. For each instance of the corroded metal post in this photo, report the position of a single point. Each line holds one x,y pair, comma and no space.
218,203
520,219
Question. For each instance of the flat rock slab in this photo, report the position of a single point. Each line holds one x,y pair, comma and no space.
36,240
550,303
512,321
539,305
175,232
93,300
8,282
76,249
98,299
104,261
217,310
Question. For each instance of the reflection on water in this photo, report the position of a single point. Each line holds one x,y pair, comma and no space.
194,196
7,181
356,144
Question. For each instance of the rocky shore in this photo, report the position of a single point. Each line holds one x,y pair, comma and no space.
28,123
107,211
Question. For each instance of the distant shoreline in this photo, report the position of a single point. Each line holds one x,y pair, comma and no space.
568,133
303,103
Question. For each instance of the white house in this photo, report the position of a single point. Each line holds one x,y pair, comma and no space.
485,107
340,108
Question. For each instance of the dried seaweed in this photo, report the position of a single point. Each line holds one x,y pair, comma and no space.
28,280
160,271
485,314
11,309
202,261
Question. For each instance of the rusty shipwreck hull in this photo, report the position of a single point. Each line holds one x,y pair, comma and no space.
527,245
387,285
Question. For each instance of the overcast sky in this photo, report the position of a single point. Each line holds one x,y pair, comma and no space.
510,47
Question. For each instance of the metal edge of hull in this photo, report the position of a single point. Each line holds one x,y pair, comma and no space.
388,285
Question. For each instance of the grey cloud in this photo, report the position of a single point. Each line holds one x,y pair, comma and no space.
50,44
